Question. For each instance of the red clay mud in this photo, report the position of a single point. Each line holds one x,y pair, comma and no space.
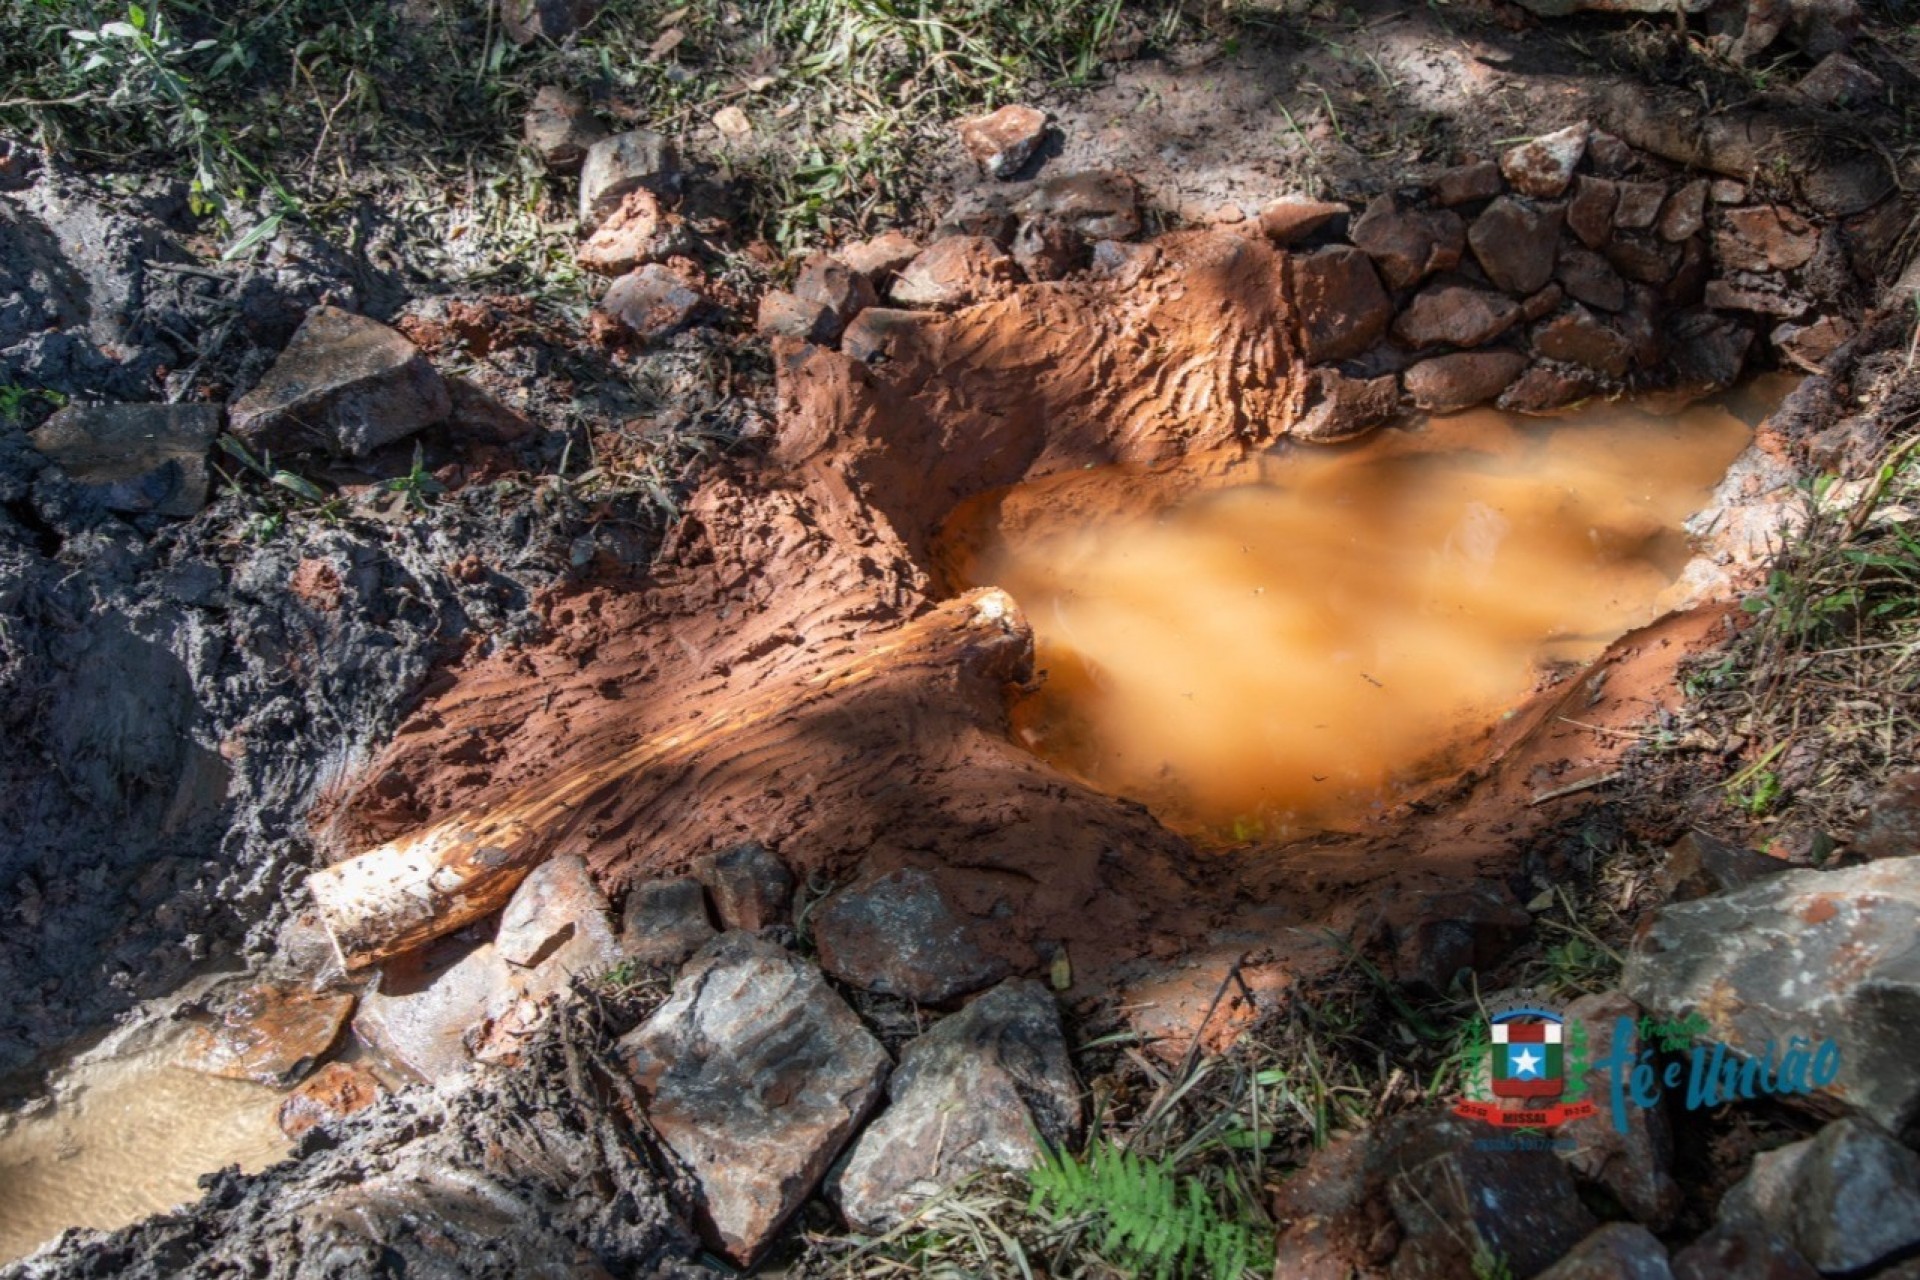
711,703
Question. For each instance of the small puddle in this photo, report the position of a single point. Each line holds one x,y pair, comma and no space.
1285,644
127,1138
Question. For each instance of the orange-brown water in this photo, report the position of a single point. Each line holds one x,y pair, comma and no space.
129,1137
1286,644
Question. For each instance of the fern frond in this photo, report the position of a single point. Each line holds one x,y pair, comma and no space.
1147,1216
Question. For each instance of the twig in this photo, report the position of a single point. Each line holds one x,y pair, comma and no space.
1585,784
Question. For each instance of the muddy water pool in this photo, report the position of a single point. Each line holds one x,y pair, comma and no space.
126,1137
1286,644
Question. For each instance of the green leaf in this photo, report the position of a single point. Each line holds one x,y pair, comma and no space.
300,485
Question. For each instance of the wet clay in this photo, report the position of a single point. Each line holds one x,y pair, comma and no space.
1302,637
785,572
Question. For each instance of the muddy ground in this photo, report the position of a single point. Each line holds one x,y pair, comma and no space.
198,714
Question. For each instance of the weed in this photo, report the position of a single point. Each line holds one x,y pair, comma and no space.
1831,665
417,486
270,522
14,400
1148,1217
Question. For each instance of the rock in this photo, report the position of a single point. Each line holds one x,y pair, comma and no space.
898,936
1763,295
1543,168
732,122
1727,191
979,213
1047,249
1577,336
557,914
1588,278
1763,238
1644,260
1727,1254
1610,155
530,20
1891,828
1590,211
1291,219
1122,263
1634,1166
559,129
268,1034
755,1073
782,314
1332,1214
1455,316
955,273
751,888
1824,955
836,286
1408,245
657,301
1637,205
1809,345
1617,1251
1455,1201
345,384
1003,142
1097,203
1546,388
1844,1199
1706,349
1845,186
477,416
1688,283
665,921
1839,81
1436,935
1699,865
639,231
881,258
134,457
419,1015
614,167
18,165
332,1093
875,332
1516,242
1685,211
1820,27
978,1092
558,921
1543,303
1467,183
1339,301
1339,407
1447,384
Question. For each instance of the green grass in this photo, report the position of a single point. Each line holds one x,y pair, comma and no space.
1823,690
299,109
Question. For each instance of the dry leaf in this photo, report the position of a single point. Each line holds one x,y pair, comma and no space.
666,44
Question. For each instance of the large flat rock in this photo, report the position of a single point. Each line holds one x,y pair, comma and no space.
344,384
135,457
977,1092
756,1073
1815,954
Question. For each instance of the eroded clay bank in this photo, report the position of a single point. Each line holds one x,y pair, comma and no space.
797,695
